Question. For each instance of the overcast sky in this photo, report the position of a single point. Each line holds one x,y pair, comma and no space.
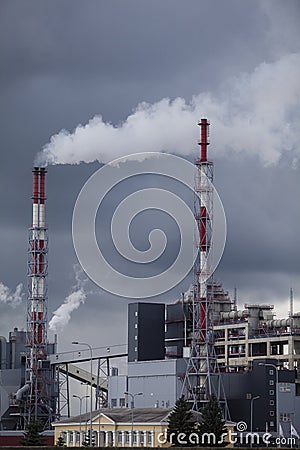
235,62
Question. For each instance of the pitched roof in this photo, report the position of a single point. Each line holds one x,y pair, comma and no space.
123,415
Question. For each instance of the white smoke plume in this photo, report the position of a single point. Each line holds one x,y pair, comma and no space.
62,315
8,297
255,113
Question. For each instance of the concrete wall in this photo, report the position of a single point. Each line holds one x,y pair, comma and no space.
158,380
117,385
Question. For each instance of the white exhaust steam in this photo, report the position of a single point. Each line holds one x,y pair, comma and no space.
8,297
62,315
255,113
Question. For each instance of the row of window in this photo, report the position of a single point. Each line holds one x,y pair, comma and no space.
114,402
134,437
285,387
284,417
142,435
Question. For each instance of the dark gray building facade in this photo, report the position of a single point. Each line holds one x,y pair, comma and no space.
146,331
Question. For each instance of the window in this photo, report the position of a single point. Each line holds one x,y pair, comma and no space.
271,392
284,387
271,413
135,349
271,402
113,402
71,437
136,313
141,438
271,382
77,436
149,437
271,423
120,437
284,417
135,325
135,338
271,372
127,437
134,437
122,402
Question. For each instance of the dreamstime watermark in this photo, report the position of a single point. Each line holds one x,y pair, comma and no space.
100,267
239,437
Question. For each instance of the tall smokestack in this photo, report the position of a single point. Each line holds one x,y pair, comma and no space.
37,302
202,363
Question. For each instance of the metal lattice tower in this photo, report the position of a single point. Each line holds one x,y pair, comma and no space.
39,381
202,377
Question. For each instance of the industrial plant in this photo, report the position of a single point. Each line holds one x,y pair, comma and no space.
202,343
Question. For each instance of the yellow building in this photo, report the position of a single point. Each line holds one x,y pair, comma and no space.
117,427
122,427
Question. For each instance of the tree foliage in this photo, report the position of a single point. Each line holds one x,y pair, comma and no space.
60,442
180,421
212,422
32,436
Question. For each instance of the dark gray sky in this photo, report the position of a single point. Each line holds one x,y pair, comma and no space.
63,62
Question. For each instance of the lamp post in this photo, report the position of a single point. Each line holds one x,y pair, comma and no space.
277,389
80,409
251,414
132,406
91,402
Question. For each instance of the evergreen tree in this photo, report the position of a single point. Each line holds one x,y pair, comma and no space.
60,442
180,421
212,422
32,436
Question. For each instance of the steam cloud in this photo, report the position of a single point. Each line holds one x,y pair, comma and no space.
62,315
10,298
255,113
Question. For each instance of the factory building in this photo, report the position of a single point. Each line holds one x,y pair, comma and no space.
12,370
12,377
250,345
146,331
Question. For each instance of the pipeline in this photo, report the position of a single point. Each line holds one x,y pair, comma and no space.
22,391
234,314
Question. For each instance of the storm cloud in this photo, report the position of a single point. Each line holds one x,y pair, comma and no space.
138,76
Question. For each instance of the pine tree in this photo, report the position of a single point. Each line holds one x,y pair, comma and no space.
180,421
32,436
212,422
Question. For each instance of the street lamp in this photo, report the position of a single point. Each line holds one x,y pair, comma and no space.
91,402
80,405
132,407
251,414
277,389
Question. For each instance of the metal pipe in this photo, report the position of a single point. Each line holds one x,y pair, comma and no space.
91,401
251,416
132,407
80,409
22,391
3,362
